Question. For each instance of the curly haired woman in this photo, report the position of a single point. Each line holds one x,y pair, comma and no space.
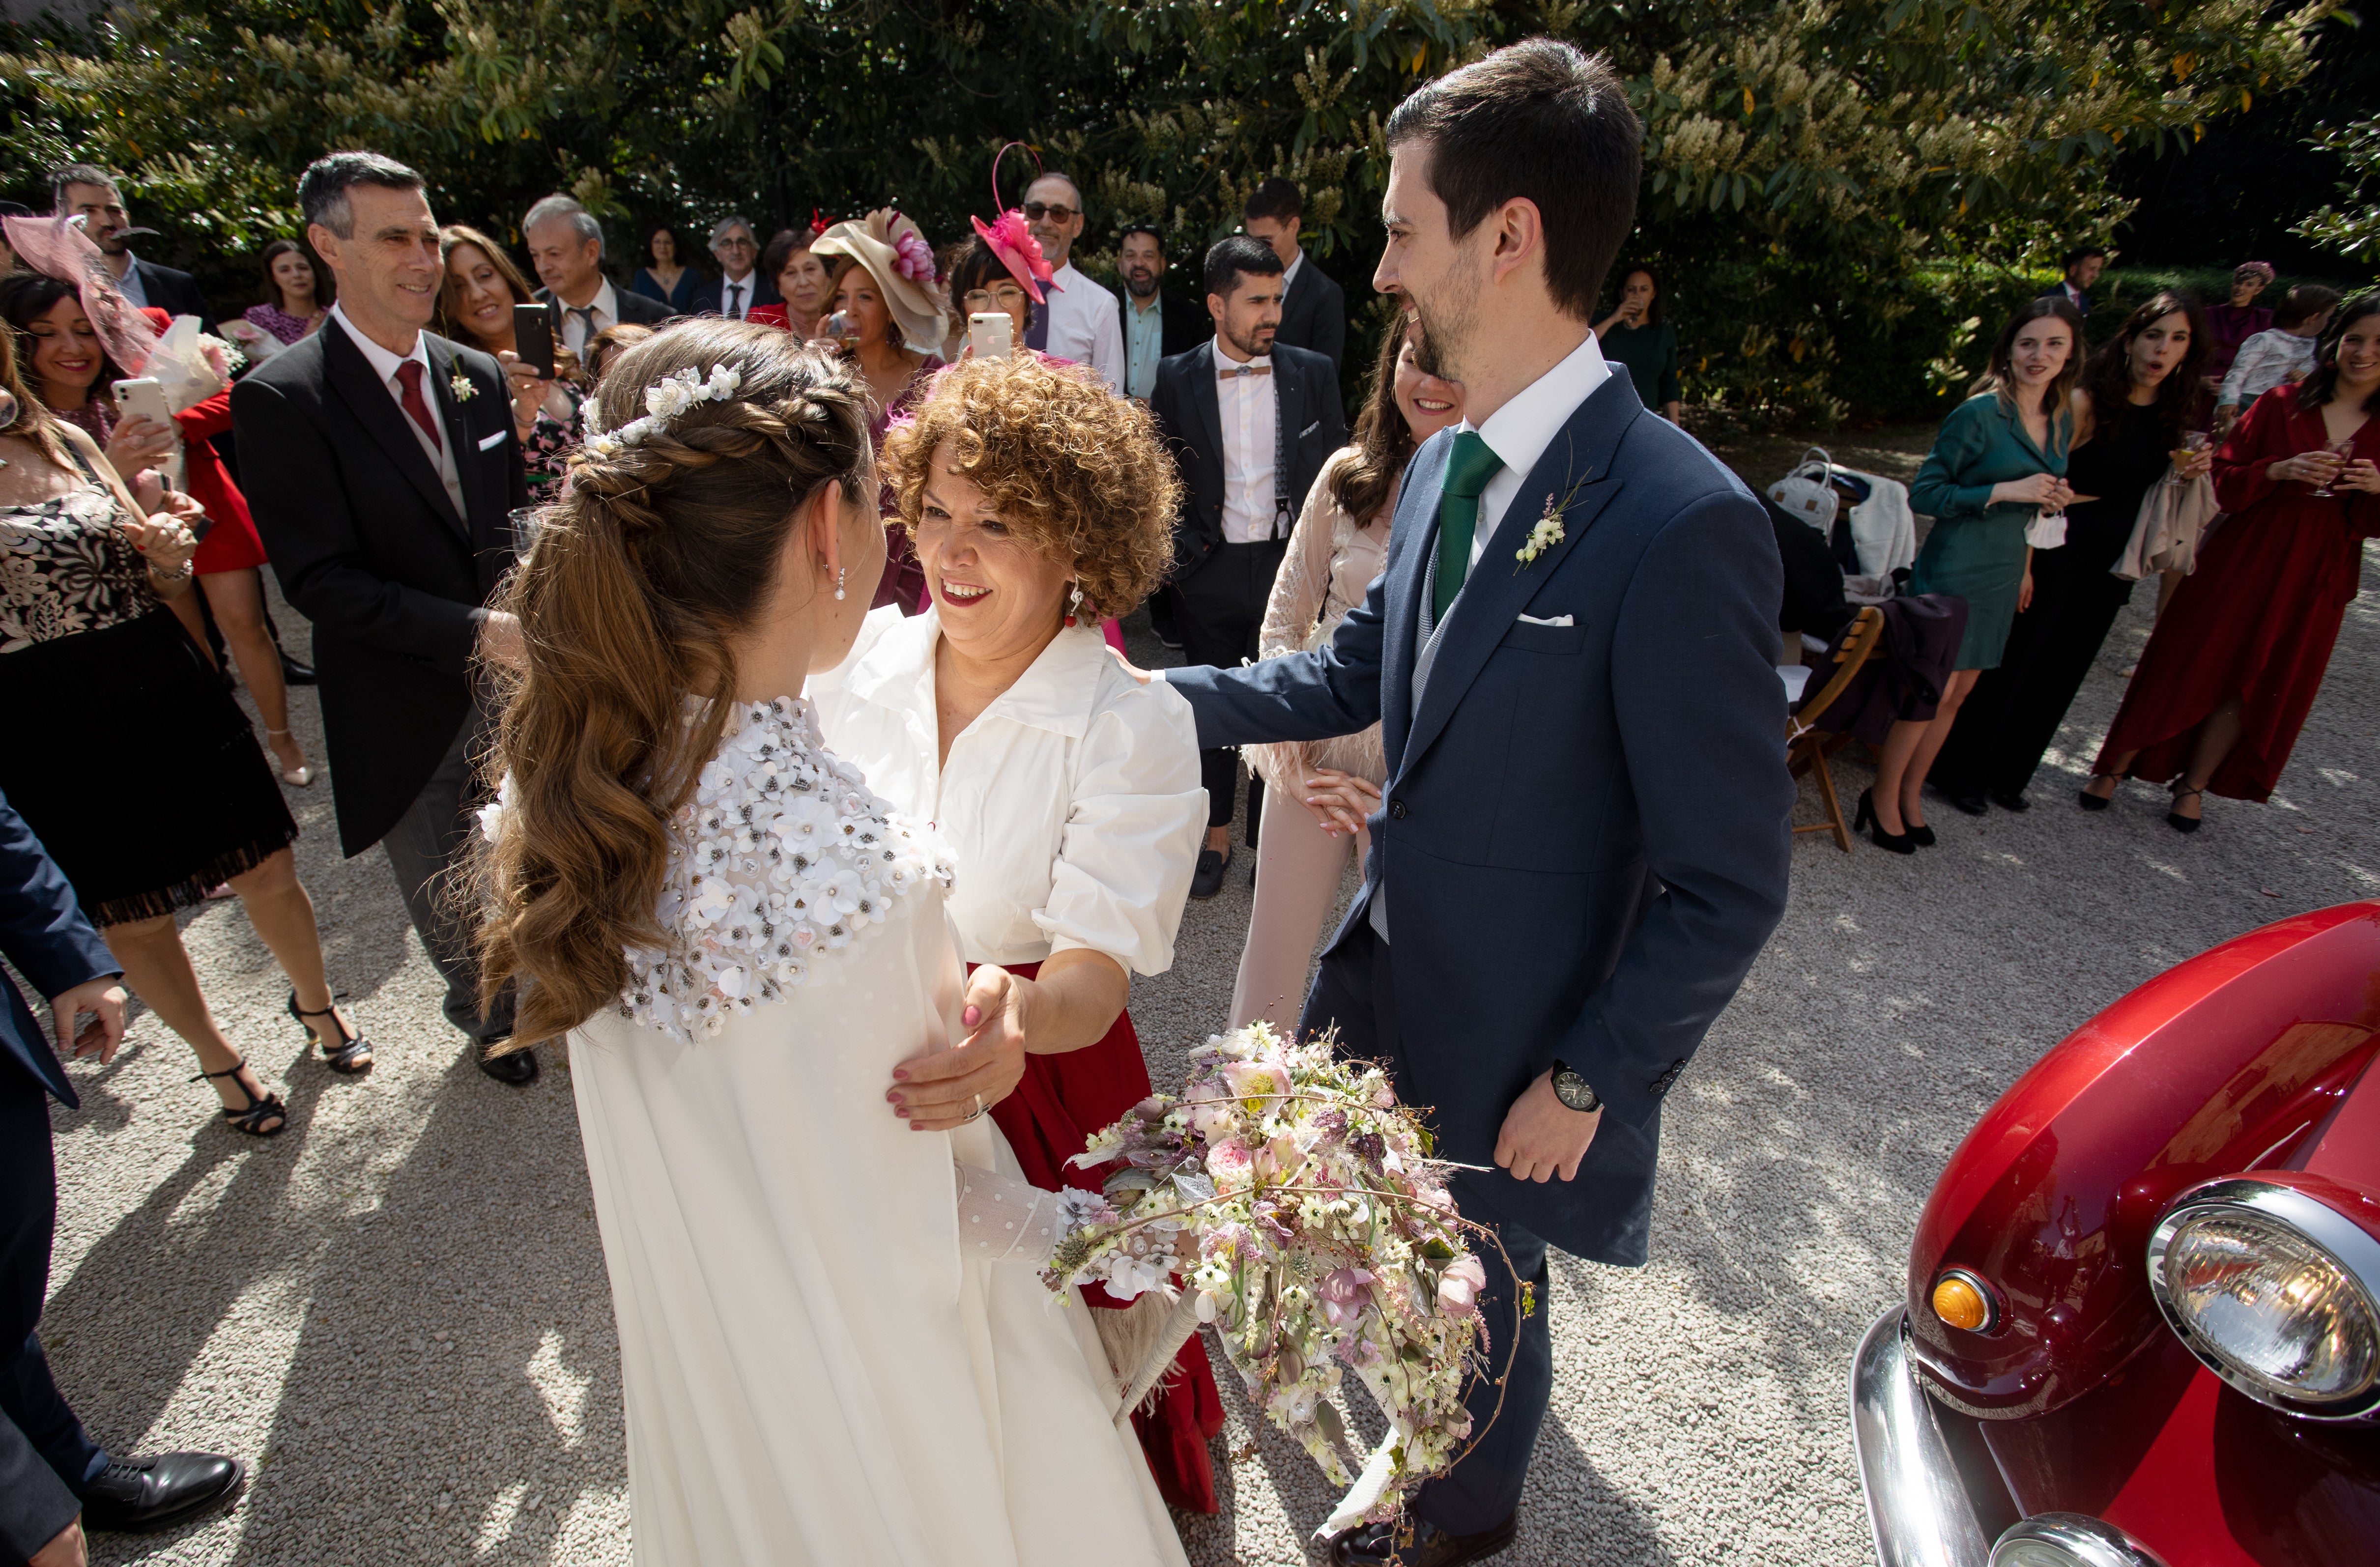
829,1352
1068,793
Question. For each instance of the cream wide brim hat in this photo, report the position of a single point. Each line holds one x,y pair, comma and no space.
918,309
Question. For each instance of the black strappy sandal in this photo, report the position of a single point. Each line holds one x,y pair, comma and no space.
2181,823
352,1055
251,1118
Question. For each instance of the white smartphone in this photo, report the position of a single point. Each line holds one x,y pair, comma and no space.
144,398
993,335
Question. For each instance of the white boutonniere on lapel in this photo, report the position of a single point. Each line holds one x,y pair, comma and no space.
1548,530
463,389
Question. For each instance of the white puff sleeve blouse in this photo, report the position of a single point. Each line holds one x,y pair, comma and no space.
1071,807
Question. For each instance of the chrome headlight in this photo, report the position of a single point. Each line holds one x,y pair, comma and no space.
2070,1539
2274,1290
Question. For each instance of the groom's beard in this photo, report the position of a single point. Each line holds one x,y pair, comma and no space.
1448,318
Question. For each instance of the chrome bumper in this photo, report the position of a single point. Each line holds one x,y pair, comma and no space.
1916,1503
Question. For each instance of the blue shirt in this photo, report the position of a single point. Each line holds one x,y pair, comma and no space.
1144,344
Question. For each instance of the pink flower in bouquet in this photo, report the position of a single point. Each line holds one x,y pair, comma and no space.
1229,1163
1459,1286
1345,1293
1256,1084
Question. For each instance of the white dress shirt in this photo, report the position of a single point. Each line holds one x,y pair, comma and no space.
574,329
130,284
1071,805
1289,275
2263,362
735,309
1085,325
383,363
1521,429
1250,407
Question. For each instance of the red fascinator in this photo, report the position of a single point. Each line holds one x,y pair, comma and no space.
1009,239
58,248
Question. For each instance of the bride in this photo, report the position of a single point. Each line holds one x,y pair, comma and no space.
831,1353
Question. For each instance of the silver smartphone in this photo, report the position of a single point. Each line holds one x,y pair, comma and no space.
144,398
993,335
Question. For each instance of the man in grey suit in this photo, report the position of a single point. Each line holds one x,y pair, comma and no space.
1582,840
1313,310
1250,422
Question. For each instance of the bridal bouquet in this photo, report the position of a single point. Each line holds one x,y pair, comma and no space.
1301,1203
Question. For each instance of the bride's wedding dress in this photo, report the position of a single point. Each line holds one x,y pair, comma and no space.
818,1366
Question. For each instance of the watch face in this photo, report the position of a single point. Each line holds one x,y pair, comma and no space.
1575,1092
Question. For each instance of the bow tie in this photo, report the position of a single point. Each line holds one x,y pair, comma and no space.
1235,371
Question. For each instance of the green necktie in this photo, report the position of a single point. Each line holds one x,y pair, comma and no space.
1468,470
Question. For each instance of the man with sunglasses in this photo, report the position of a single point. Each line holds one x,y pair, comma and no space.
1080,322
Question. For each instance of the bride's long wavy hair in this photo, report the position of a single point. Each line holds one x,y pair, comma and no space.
655,557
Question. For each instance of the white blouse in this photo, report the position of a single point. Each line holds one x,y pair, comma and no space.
1071,808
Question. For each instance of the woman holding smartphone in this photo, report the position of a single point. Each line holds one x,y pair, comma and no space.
478,306
2234,665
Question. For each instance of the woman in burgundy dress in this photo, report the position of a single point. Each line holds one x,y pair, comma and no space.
2232,669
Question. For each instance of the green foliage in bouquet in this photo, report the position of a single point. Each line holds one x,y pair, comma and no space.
1303,1205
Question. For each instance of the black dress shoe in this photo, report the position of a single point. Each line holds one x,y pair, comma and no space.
137,1494
516,1067
1208,880
1375,1545
2010,800
296,673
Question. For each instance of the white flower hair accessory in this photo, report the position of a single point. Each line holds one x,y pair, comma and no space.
665,400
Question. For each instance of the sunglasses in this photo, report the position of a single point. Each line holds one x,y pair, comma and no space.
983,298
1036,210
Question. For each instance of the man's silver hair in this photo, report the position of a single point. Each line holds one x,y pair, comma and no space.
582,222
732,220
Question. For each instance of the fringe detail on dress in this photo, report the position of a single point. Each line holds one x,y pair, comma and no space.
192,890
1132,1335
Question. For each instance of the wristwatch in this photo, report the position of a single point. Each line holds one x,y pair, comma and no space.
1574,1090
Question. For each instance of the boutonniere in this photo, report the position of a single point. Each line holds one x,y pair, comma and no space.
464,390
1548,531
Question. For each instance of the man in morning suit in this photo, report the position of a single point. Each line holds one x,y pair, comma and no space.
54,1479
384,470
1313,310
1582,840
1250,422
565,244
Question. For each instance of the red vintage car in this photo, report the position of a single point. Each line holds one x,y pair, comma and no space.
2143,1327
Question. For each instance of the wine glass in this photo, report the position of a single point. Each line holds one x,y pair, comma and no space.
2340,448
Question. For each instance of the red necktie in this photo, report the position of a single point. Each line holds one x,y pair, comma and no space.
408,375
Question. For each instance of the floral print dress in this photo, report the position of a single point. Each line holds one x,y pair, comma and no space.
183,799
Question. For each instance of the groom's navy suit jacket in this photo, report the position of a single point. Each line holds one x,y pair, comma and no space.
1584,833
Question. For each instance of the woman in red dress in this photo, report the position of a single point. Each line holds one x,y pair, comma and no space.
2233,666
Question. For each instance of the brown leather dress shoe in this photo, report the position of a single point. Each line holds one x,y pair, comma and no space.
1375,1545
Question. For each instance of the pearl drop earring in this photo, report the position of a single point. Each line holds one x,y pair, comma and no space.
838,581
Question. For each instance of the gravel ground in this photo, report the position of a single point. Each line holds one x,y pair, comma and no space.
397,1312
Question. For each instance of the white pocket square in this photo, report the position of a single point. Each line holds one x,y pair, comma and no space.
1533,620
493,442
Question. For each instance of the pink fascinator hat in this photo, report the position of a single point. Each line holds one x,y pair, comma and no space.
1009,239
58,248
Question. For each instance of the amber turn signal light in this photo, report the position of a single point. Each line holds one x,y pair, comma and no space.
1963,1301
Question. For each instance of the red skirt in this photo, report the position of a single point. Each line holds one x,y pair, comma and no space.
1060,1102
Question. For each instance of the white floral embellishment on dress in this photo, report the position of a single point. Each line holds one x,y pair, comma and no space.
783,855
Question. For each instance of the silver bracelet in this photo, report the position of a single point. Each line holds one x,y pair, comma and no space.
173,578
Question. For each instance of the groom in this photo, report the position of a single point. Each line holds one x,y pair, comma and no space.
1583,836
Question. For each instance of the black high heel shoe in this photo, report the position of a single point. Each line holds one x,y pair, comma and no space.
259,1117
1873,824
2179,822
352,1055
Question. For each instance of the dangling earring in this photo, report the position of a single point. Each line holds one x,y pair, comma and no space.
838,581
1073,603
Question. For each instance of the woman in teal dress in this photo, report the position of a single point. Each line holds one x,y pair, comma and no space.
1998,461
1635,335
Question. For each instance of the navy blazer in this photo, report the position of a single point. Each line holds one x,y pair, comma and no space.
1314,316
1585,828
1189,415
710,294
367,546
43,933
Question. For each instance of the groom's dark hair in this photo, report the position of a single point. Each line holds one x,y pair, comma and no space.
1539,122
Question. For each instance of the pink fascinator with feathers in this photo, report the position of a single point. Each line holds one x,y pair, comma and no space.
1009,239
57,247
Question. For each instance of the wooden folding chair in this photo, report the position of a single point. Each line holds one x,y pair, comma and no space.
1807,746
